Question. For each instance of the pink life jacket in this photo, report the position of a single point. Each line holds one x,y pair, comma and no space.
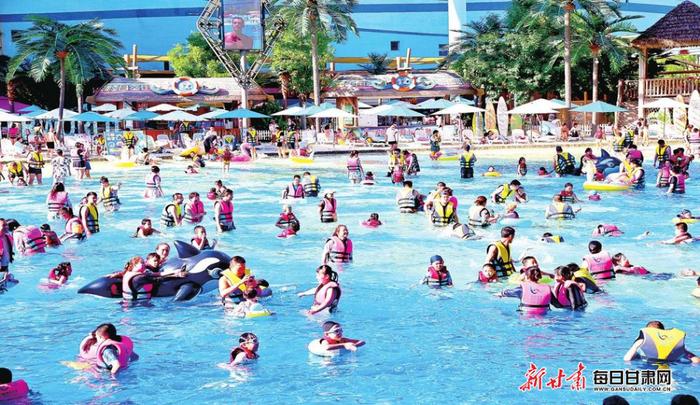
680,184
341,252
14,390
193,211
57,201
33,238
600,265
665,172
634,154
225,213
328,211
54,276
353,165
371,223
152,180
293,192
535,298
608,230
561,292
91,353
124,350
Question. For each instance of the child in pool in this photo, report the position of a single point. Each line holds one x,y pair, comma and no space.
288,222
696,291
226,157
397,175
191,170
549,238
568,195
373,221
249,304
682,235
686,214
333,338
488,274
522,167
437,275
200,240
510,211
369,179
622,265
59,274
492,170
542,172
21,182
50,236
246,351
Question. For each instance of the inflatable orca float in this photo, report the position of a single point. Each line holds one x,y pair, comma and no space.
203,270
606,163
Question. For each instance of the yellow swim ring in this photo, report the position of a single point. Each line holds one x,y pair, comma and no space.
124,164
448,158
195,149
598,186
492,174
685,220
301,159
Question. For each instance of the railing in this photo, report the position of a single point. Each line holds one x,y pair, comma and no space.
665,87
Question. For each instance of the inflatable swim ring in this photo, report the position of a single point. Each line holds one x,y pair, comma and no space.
492,174
685,220
448,158
301,159
605,186
257,311
195,149
240,159
124,164
316,348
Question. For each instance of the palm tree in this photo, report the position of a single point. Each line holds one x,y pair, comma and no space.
378,63
333,17
561,10
601,33
467,41
81,51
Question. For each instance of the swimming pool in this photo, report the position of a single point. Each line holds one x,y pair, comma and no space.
462,345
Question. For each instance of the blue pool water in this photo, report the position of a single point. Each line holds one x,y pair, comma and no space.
462,345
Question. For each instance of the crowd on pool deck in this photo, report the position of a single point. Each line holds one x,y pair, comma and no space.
568,286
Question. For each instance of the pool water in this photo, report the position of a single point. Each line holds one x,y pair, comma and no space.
423,346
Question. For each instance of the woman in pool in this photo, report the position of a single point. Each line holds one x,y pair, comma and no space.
328,207
479,215
327,293
338,248
522,167
57,199
534,297
74,227
153,187
354,166
223,213
108,349
246,351
444,211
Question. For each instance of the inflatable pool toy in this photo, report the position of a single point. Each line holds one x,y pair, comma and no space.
240,159
448,158
594,185
257,311
124,164
492,174
195,149
203,271
316,348
301,159
686,220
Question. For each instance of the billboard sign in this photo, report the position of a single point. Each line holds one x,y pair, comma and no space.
242,25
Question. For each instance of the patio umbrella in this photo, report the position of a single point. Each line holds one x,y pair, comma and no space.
178,116
332,113
34,113
7,117
240,113
393,111
121,113
558,104
313,109
105,108
459,108
292,111
437,104
164,107
53,115
462,100
90,116
599,107
665,103
360,104
213,113
539,106
29,109
400,103
142,115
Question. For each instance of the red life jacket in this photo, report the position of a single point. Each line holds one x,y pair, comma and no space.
14,390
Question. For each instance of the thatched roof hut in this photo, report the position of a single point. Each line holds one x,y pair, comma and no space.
677,29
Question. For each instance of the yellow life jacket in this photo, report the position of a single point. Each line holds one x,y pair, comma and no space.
503,262
233,278
466,160
443,214
16,170
505,193
129,139
37,160
583,272
661,153
661,344
92,218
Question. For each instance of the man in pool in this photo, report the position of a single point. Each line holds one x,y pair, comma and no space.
656,343
682,235
498,253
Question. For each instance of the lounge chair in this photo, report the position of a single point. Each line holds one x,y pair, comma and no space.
519,136
163,141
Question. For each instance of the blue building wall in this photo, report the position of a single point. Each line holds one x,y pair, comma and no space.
155,25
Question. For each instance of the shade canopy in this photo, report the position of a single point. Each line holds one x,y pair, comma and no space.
213,113
459,108
332,113
105,107
360,104
34,113
143,115
240,113
291,111
121,113
313,109
433,104
178,116
665,103
30,108
164,107
539,106
677,29
392,110
462,100
7,117
599,107
91,116
53,114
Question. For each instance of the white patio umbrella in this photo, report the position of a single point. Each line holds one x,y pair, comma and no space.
121,113
539,106
7,117
213,113
178,116
332,113
291,111
53,114
164,107
665,103
459,109
360,104
105,108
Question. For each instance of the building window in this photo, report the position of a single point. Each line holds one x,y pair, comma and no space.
443,49
394,45
14,35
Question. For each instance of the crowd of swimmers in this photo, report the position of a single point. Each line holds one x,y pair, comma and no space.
566,286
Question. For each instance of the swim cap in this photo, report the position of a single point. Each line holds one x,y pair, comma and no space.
685,212
436,258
